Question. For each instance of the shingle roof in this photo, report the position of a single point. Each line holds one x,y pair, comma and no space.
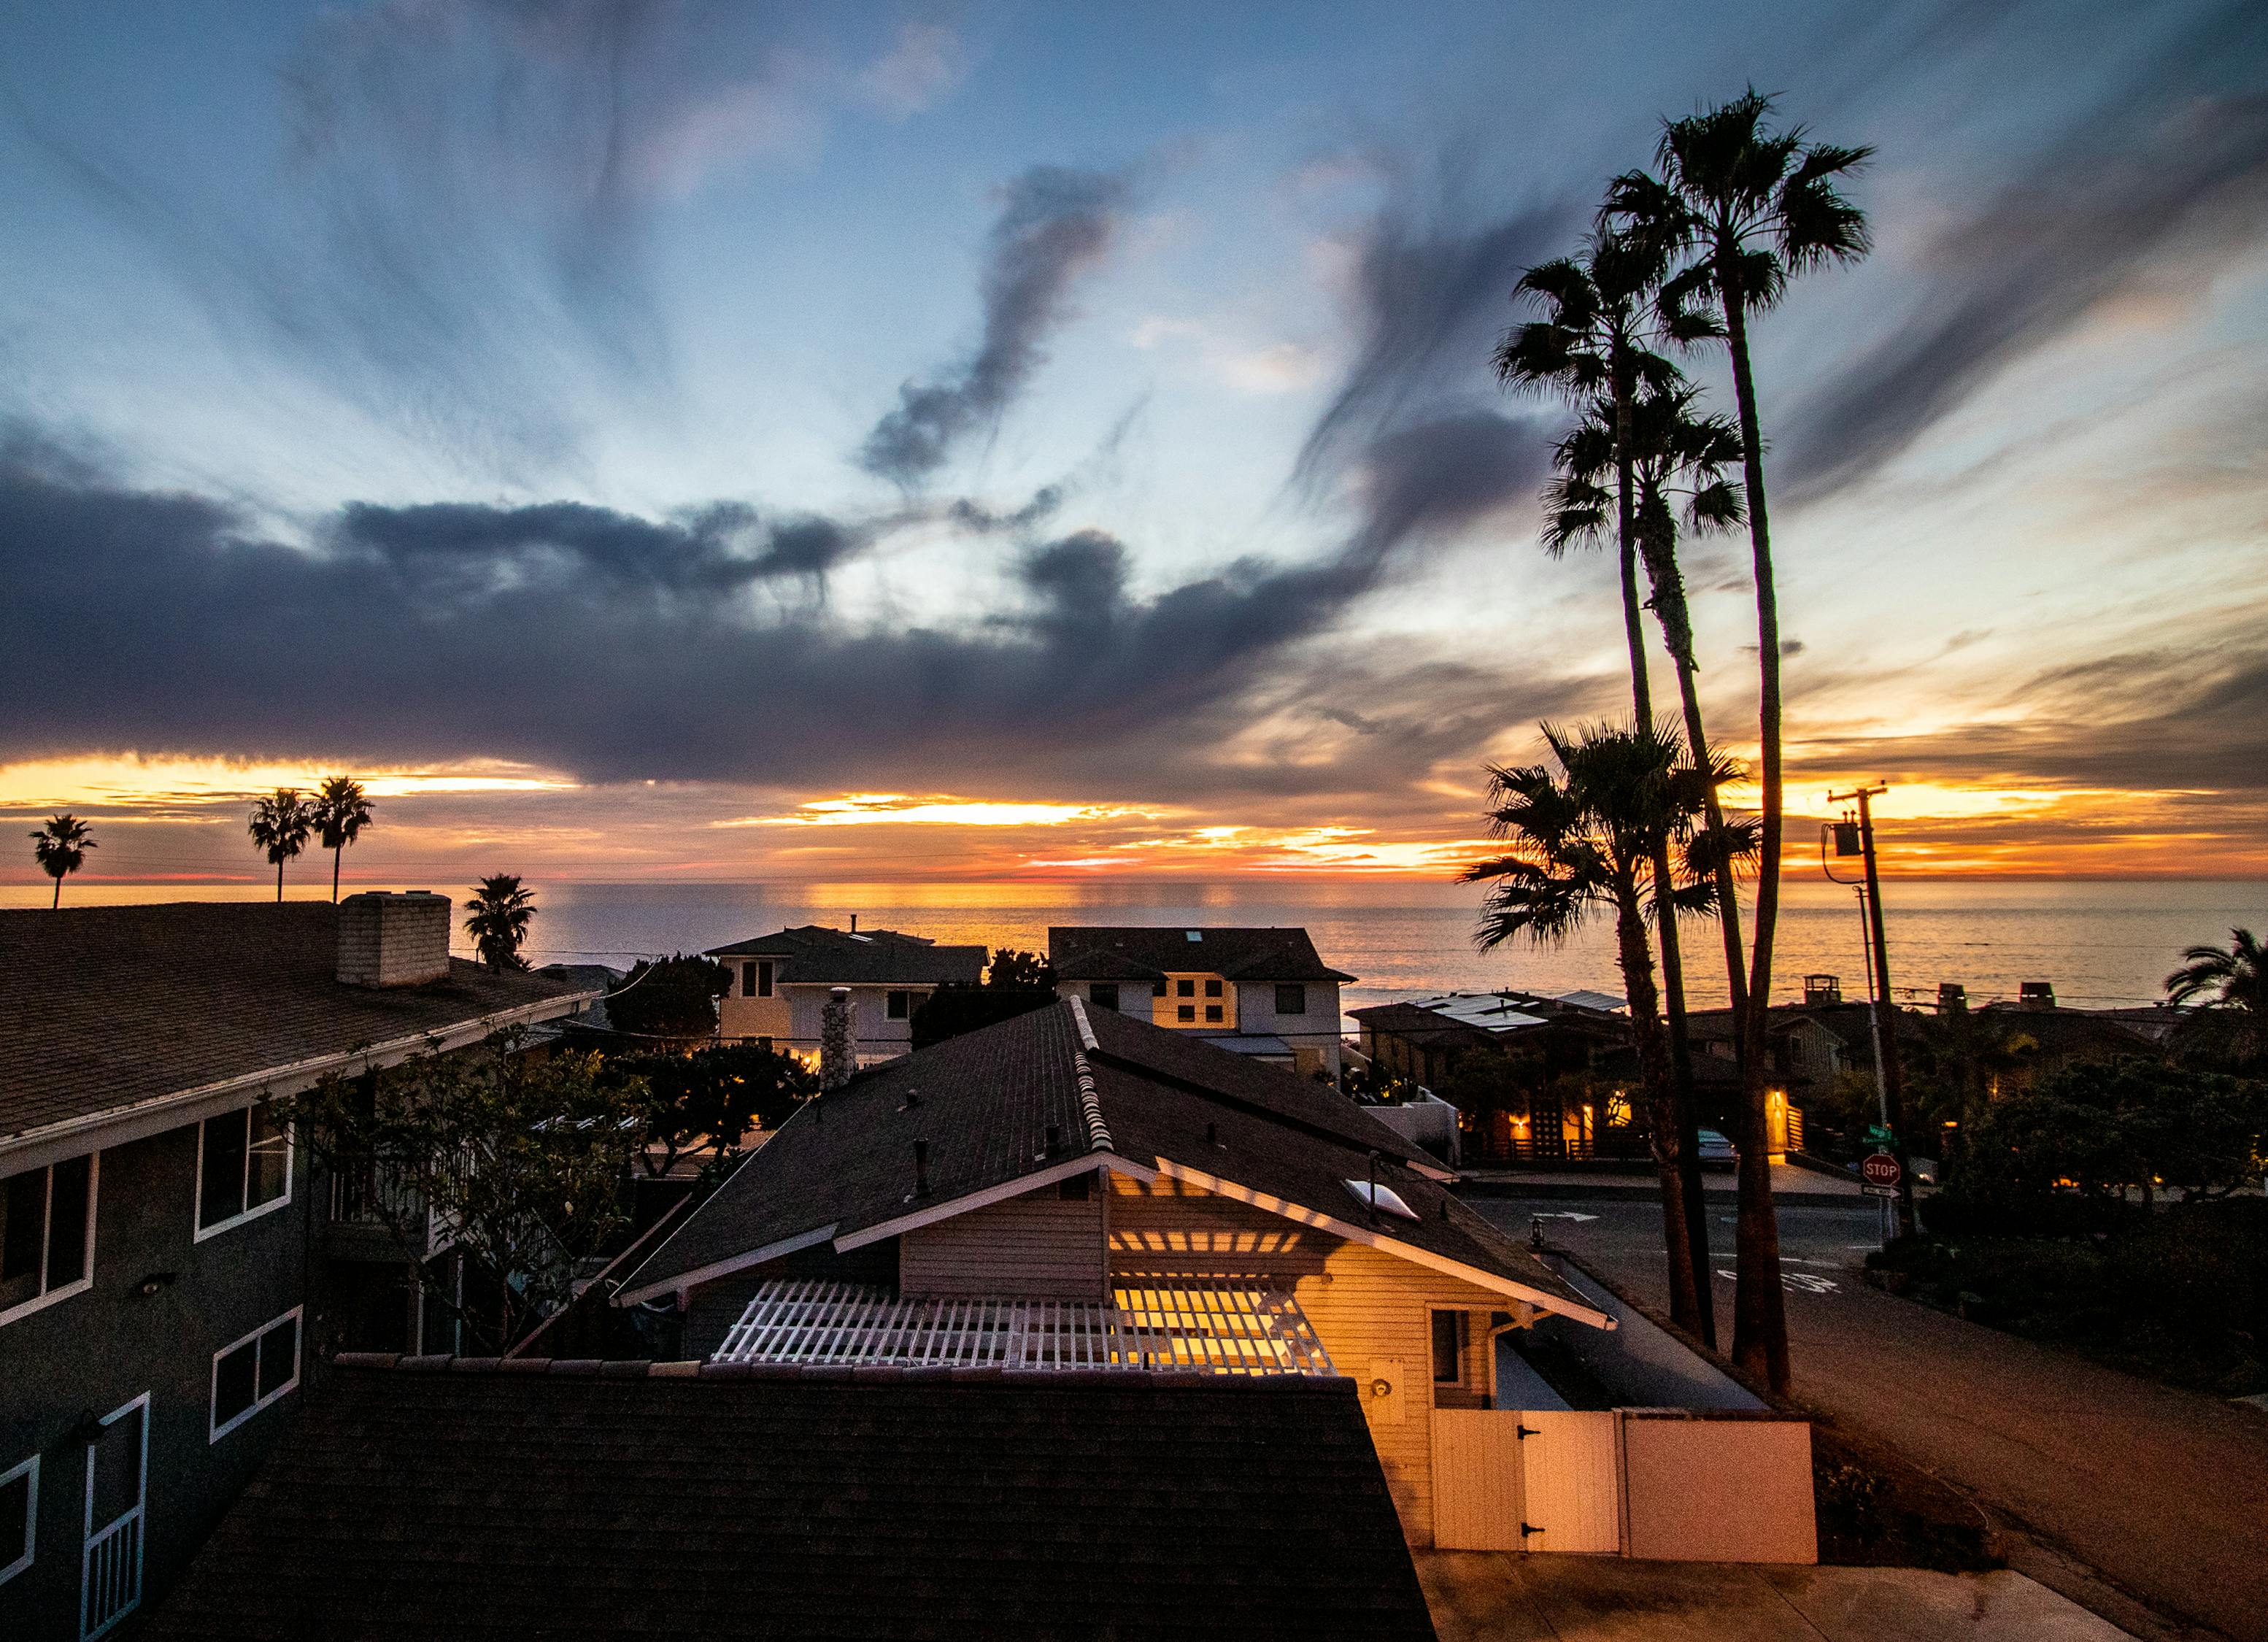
493,1505
1087,953
109,1007
813,954
844,1162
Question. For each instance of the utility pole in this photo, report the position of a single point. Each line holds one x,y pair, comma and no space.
1891,1086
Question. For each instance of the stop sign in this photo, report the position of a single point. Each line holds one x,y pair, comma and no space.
1880,1169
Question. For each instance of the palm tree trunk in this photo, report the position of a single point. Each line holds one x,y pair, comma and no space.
1759,1308
1637,958
58,901
337,851
279,880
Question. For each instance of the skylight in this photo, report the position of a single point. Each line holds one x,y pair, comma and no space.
1388,1201
1194,934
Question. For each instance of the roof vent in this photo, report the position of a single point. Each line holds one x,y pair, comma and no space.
1381,1199
1053,1141
393,940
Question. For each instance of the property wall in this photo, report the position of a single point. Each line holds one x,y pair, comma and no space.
739,1016
1040,1246
1370,1309
1678,1471
99,1349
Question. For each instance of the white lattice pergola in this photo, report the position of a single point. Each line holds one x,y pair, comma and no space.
1219,1328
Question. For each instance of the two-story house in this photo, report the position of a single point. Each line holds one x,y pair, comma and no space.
164,1281
1261,992
1075,1189
781,982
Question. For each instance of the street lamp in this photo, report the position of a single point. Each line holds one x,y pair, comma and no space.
1854,835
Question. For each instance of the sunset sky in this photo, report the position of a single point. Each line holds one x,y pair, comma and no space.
728,441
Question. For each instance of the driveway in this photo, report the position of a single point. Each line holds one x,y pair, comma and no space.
2105,1484
1490,1596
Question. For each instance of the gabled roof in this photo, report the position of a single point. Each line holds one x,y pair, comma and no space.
1089,952
814,955
108,1009
1121,1094
627,1501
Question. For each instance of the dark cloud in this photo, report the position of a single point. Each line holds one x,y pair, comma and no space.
2165,176
1054,224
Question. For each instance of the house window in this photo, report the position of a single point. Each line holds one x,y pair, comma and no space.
47,1235
244,1168
1291,1001
1157,989
1185,1012
1185,989
1452,1333
1213,989
1213,1014
763,980
254,1372
748,980
896,1007
1103,994
20,1517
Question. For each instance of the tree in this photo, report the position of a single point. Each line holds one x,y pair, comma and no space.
1585,842
1014,970
60,847
2231,985
672,998
712,1097
1595,347
281,823
497,919
342,813
1754,207
519,1158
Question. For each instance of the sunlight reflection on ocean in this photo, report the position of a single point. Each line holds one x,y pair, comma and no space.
2099,942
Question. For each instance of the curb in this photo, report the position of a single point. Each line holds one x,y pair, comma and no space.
1648,1193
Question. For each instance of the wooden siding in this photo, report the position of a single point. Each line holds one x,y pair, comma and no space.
1040,1246
1370,1309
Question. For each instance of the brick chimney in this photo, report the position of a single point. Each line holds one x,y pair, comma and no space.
393,940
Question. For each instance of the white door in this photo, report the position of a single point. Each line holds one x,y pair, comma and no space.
117,1483
1572,1481
1476,1474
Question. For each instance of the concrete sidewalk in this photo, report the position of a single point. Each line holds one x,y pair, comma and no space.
1493,1596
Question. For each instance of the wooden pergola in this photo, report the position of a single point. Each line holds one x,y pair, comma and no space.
1223,1328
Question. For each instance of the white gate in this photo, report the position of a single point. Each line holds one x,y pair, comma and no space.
117,1487
1527,1480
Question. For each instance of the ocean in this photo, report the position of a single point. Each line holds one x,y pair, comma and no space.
2098,942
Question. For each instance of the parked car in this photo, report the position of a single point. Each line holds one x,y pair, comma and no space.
1714,1148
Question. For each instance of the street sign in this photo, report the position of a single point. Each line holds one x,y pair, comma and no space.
1881,1173
1877,1136
1880,1191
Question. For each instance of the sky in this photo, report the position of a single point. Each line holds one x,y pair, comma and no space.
999,440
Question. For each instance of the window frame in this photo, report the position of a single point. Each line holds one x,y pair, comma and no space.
1461,1327
217,1431
748,978
1214,1013
1102,994
197,1208
898,1004
84,1281
1185,1014
1185,987
29,1468
764,977
1292,990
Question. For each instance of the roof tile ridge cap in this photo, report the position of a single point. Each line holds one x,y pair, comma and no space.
1090,1104
1086,1028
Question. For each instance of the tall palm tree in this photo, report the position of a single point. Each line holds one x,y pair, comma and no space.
60,847
281,823
497,919
1597,344
1754,207
2233,981
1584,841
341,813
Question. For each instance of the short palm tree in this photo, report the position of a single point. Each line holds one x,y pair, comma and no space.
1754,207
1585,842
342,815
60,847
498,917
281,825
2233,981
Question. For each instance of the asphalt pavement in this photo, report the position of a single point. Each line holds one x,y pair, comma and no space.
2149,1505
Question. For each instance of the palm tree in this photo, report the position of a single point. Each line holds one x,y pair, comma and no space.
341,814
2233,981
60,847
498,919
1595,344
281,823
1584,841
1754,207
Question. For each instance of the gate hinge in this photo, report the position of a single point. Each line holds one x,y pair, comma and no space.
1525,1530
1524,1432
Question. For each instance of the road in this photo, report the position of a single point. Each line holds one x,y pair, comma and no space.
2095,1476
